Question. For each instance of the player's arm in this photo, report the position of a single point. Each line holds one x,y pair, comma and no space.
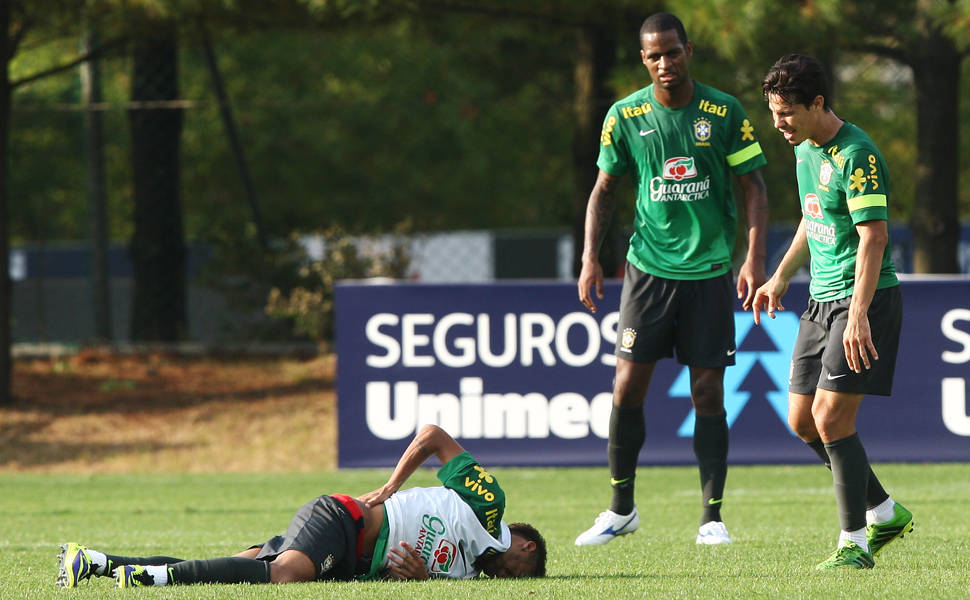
599,212
752,274
431,440
857,339
769,295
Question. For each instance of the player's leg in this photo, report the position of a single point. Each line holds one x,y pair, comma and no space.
77,562
710,443
835,414
626,436
645,334
705,342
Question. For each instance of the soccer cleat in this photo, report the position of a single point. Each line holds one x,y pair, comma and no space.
880,534
74,564
607,526
850,555
132,576
713,532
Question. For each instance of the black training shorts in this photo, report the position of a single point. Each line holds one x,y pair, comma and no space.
818,359
324,530
693,316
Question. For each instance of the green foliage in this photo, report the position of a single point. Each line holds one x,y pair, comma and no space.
309,304
783,520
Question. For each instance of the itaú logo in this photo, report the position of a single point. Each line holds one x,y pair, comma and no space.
813,207
681,167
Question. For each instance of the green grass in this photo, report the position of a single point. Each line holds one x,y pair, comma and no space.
783,520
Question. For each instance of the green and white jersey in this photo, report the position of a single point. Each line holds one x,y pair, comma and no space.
681,160
840,184
449,526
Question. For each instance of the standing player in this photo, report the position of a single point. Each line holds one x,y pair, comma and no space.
680,140
847,339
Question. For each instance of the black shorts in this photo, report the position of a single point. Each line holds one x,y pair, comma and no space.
694,316
324,530
818,358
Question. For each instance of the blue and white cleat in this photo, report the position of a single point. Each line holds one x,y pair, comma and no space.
74,564
713,532
609,525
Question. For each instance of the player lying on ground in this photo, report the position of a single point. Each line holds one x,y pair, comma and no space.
455,530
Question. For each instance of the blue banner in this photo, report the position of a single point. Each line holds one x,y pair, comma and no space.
521,374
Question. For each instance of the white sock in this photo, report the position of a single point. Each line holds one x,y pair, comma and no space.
881,513
159,573
858,537
99,561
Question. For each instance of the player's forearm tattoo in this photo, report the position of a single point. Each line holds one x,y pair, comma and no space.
599,213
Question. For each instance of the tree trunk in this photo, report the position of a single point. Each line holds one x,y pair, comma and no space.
935,223
5,288
596,54
157,245
97,196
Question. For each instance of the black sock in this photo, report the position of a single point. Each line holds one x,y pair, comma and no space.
850,476
117,561
627,432
875,493
711,449
231,569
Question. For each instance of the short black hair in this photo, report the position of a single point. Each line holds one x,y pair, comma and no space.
662,21
797,79
538,557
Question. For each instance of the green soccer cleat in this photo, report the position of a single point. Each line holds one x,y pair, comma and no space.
850,555
128,576
74,564
880,534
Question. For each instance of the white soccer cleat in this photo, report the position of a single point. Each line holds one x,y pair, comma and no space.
713,532
608,526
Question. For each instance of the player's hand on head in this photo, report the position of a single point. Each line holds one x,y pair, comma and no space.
405,563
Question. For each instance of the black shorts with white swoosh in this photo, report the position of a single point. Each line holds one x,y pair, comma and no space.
818,358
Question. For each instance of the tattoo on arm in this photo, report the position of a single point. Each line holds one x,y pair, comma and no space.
599,212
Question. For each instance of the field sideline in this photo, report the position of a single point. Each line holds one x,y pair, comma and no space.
783,520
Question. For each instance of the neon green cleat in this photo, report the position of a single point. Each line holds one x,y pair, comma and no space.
74,564
880,534
850,555
128,576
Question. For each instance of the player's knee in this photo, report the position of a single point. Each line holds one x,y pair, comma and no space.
804,427
291,572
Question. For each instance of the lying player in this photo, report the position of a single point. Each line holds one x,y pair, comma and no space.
455,530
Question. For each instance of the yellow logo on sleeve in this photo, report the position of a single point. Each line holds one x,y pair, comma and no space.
747,131
858,179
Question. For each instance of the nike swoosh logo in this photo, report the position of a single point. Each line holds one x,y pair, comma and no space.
830,376
646,133
618,481
712,501
799,160
731,352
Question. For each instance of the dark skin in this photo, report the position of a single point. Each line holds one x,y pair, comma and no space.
667,60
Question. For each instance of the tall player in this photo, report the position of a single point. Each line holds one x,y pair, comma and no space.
680,140
848,336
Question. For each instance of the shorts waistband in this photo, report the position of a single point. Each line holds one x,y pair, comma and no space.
354,509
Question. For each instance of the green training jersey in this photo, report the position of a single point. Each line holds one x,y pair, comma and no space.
841,183
681,159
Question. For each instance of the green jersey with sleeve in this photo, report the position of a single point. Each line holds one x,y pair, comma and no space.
841,183
681,160
450,526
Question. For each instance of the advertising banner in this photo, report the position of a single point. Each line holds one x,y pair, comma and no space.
521,374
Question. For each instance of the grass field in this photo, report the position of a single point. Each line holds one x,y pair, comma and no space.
783,520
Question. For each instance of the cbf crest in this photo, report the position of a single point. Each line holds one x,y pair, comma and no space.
702,131
825,172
